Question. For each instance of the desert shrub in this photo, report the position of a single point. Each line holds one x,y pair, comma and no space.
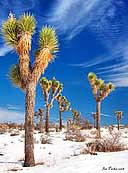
2,131
45,139
73,134
85,124
110,129
3,128
111,143
36,141
94,132
23,136
57,128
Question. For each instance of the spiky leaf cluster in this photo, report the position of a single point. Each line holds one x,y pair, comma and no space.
14,76
48,39
76,114
51,85
13,29
119,115
26,23
51,89
64,104
99,88
9,31
46,84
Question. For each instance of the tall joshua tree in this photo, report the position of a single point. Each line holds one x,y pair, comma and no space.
64,105
119,117
100,91
18,34
50,89
40,114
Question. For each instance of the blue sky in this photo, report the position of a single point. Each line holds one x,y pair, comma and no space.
93,36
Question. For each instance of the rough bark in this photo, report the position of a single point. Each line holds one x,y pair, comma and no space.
41,123
118,122
60,120
98,117
41,63
47,119
94,123
24,63
29,124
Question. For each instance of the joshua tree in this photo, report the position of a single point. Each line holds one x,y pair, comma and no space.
40,114
95,119
76,117
50,89
119,117
100,91
18,34
64,105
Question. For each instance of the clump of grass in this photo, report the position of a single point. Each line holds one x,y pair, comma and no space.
45,139
73,134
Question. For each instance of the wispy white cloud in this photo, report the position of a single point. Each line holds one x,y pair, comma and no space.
71,17
4,50
106,115
9,115
12,107
103,114
113,66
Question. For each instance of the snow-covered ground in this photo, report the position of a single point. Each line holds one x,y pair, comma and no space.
61,156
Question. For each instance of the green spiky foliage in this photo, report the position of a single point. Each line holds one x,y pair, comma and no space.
26,24
51,89
13,29
48,46
48,39
14,76
99,88
64,104
119,114
9,31
53,86
76,116
100,91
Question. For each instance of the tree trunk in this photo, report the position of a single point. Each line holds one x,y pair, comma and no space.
98,117
29,124
47,119
41,124
60,120
94,123
118,122
24,63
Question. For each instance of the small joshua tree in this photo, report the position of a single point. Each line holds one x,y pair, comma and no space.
119,117
76,117
18,34
40,114
100,91
64,105
50,89
94,115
